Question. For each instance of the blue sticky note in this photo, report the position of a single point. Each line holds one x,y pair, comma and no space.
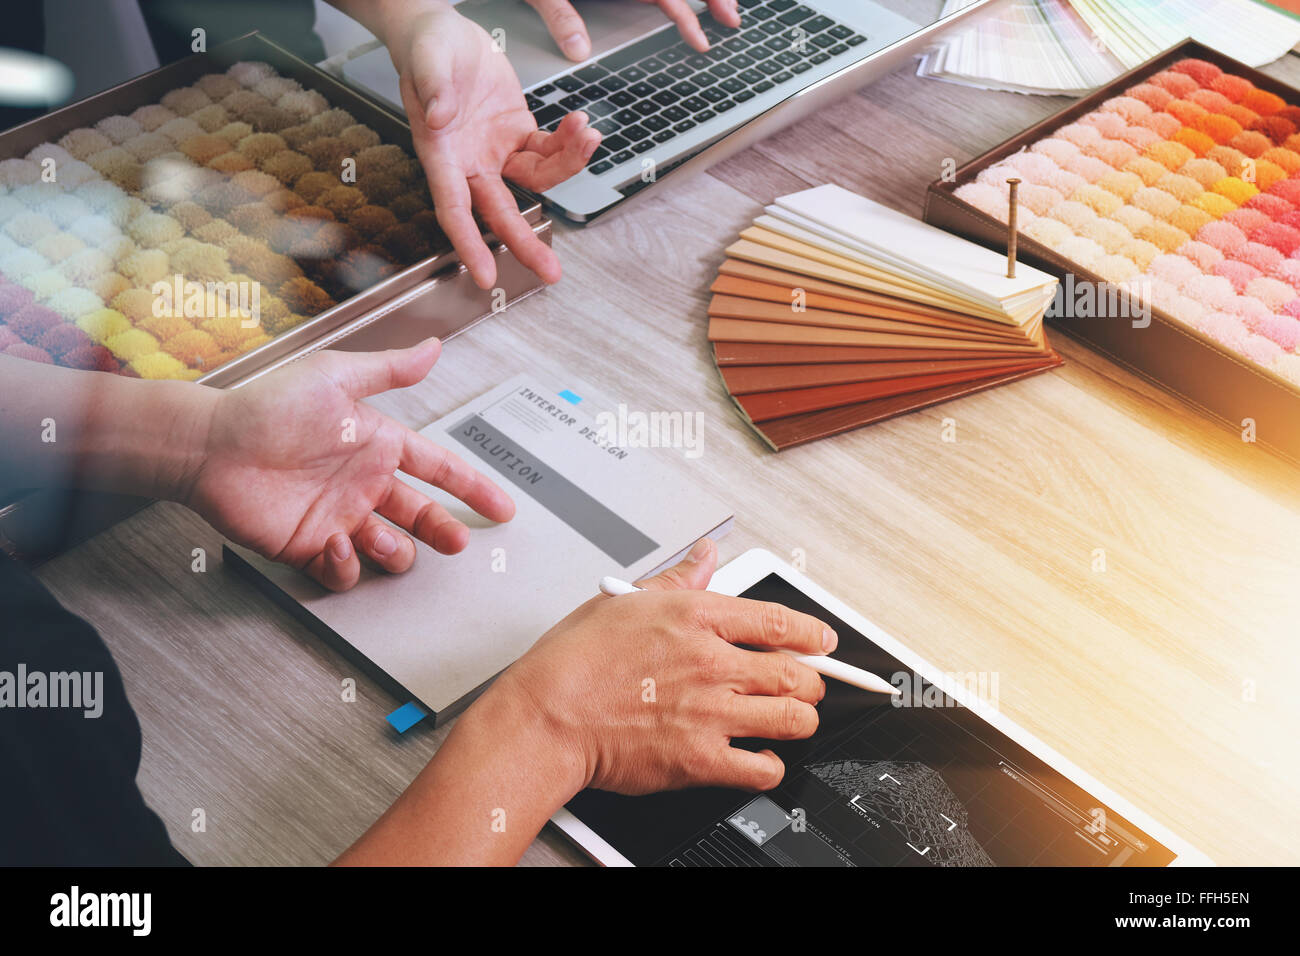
407,716
571,397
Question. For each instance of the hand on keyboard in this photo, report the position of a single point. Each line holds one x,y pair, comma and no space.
570,34
472,129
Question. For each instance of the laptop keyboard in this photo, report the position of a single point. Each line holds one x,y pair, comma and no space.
658,88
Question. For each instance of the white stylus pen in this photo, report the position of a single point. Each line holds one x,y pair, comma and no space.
826,666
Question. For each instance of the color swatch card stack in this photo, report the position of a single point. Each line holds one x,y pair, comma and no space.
833,311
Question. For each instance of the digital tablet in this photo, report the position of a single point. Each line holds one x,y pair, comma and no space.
931,777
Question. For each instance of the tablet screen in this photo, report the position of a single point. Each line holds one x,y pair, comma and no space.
920,781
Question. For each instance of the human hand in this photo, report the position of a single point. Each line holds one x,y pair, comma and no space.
472,129
297,468
646,691
570,33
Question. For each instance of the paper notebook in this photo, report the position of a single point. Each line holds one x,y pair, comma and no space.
832,312
589,504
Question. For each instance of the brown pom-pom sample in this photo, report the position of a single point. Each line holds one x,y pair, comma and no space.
282,200
216,232
310,186
185,100
342,200
371,221
148,146
190,215
385,158
408,205
359,137
212,118
153,117
216,85
180,129
253,218
269,119
199,260
231,162
406,243
260,146
426,220
232,133
332,122
302,295
381,189
256,183
204,147
260,261
286,166
118,166
241,101
85,142
327,153
298,135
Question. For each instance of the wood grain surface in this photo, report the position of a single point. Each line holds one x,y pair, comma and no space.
1170,675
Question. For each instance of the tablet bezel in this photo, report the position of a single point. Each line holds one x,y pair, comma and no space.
756,564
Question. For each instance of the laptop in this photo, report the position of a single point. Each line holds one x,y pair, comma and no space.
661,106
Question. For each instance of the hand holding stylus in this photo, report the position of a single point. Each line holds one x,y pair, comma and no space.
826,666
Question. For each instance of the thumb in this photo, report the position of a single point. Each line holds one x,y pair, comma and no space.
691,573
370,373
431,82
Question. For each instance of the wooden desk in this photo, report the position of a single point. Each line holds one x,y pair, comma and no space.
1171,675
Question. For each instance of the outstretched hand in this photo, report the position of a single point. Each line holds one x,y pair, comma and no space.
296,467
472,130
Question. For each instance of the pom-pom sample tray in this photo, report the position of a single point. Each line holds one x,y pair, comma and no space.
1169,205
228,120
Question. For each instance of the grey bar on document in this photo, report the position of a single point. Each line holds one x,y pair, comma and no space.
579,510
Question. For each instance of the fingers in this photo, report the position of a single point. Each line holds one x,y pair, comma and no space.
726,12
387,547
743,770
337,566
453,207
778,675
424,518
772,718
547,159
688,24
565,27
766,624
496,204
369,373
691,573
422,459
431,81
